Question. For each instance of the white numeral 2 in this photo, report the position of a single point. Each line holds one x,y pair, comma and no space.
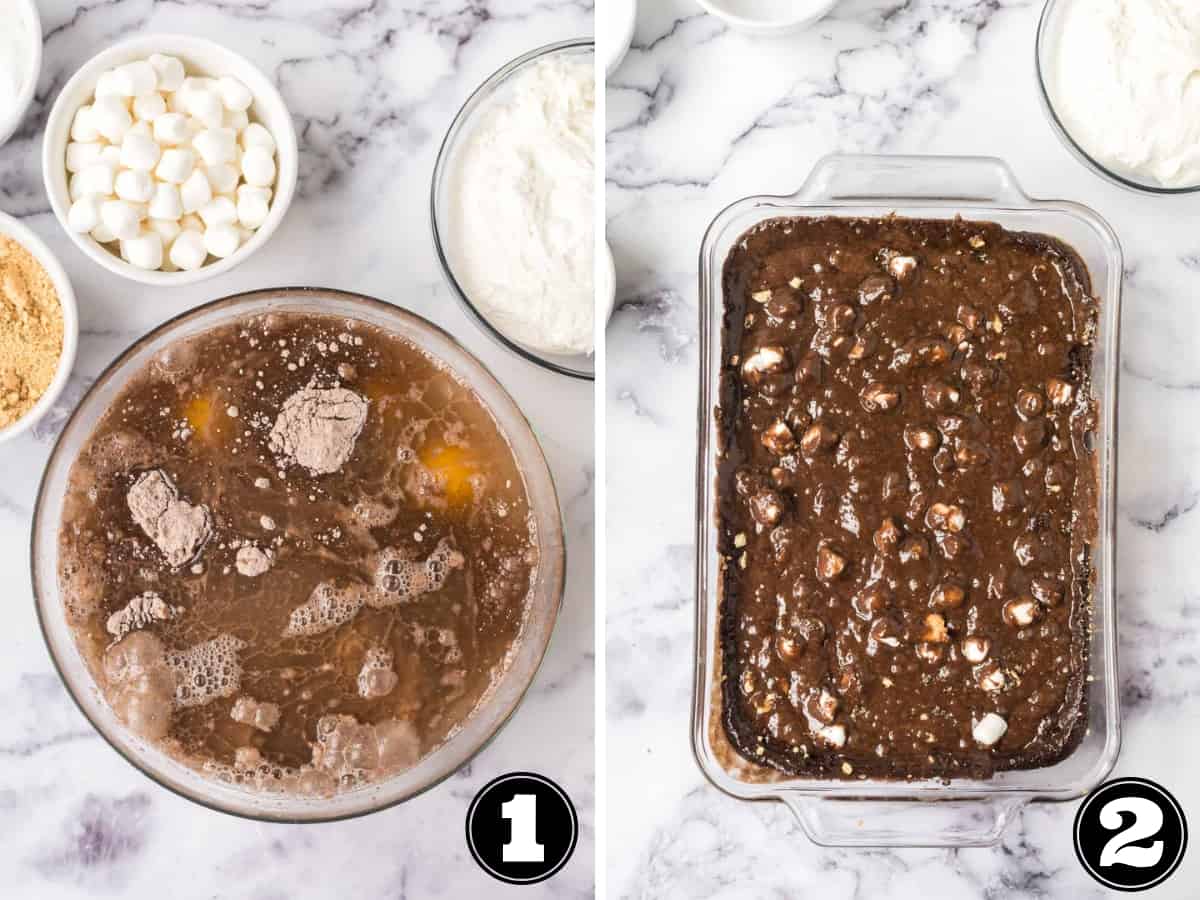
1147,819
521,810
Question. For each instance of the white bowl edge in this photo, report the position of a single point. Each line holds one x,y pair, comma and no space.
769,27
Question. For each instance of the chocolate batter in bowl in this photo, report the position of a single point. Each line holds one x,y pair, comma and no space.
905,486
297,555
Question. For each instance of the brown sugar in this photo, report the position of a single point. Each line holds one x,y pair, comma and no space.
31,331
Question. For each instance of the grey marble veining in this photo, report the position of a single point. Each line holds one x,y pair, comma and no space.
373,85
700,116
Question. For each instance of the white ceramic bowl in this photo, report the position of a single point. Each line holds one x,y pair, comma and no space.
11,228
606,286
759,17
200,57
618,19
26,13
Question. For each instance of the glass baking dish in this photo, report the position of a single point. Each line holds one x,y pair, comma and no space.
930,813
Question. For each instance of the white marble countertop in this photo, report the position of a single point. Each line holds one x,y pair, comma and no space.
372,86
700,116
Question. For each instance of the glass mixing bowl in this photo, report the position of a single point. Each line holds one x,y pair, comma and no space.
544,599
1049,27
494,88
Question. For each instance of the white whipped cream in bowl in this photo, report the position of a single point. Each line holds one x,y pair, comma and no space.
1121,83
513,207
20,62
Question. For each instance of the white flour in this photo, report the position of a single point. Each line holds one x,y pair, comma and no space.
14,59
520,197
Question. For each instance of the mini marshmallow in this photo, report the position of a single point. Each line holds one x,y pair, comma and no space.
176,165
169,70
166,202
73,187
222,240
149,107
121,217
218,211
258,166
111,118
83,128
134,185
988,730
256,135
80,156
167,229
103,234
195,191
253,205
205,105
216,145
172,128
97,179
197,83
192,222
145,250
188,251
122,83
140,152
237,119
223,178
234,94
106,85
135,78
84,214
111,155
141,129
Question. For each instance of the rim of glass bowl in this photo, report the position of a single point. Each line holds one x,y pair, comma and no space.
476,732
479,96
1064,136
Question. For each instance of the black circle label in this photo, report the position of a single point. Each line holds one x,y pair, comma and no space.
522,828
1130,834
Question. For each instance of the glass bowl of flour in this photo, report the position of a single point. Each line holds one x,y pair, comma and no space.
512,207
1117,82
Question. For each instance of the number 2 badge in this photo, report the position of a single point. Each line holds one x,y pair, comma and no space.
1130,834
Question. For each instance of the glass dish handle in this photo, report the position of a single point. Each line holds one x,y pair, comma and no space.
849,177
903,823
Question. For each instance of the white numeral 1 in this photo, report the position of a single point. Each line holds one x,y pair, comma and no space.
521,810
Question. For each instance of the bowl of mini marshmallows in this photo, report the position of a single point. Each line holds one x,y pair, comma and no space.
169,159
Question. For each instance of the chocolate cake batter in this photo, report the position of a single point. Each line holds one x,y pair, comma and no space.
907,493
296,553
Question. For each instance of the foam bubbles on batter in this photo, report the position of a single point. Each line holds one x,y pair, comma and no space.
377,678
398,579
327,607
206,671
401,580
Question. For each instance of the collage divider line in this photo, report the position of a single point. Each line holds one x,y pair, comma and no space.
599,397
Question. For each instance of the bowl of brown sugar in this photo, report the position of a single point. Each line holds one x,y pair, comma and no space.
39,328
